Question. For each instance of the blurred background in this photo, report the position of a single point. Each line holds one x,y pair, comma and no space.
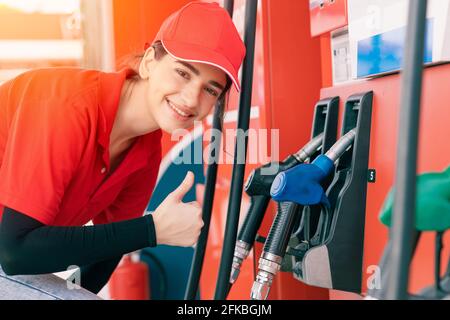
41,33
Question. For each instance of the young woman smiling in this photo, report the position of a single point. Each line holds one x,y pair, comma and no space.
79,145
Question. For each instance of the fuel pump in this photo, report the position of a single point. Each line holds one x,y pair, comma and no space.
333,258
258,188
299,186
260,180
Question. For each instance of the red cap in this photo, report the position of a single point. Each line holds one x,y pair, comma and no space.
204,32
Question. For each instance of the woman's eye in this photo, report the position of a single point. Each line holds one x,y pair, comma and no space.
212,92
183,74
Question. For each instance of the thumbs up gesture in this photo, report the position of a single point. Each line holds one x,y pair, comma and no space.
178,223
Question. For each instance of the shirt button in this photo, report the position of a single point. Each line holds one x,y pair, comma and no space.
103,171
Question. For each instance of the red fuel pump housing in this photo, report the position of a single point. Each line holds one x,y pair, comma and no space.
130,281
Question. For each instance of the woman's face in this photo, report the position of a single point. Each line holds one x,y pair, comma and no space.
179,93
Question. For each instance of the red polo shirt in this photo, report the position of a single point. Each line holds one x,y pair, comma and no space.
55,126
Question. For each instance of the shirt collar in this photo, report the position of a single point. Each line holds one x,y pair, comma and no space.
110,89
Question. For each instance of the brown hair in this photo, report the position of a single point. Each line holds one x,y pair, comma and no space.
133,62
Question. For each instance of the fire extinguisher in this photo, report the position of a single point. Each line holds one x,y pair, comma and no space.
130,281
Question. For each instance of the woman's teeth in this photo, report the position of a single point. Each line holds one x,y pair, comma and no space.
181,113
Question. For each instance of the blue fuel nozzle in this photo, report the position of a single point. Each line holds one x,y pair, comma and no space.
302,184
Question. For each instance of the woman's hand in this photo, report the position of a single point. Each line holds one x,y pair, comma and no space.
178,223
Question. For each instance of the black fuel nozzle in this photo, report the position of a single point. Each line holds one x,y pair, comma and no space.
297,187
274,249
260,180
258,188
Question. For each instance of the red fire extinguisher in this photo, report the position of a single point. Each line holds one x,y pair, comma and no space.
130,281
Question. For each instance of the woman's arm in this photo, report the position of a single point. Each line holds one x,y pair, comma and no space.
95,276
29,247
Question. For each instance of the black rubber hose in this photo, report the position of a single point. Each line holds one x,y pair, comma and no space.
208,198
258,185
253,219
237,180
281,229
258,188
200,249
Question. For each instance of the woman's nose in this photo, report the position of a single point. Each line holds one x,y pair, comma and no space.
191,95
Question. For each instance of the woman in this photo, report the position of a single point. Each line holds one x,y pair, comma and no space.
80,145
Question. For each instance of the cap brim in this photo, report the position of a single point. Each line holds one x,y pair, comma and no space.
191,53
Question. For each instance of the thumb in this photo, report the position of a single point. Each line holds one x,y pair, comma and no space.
184,187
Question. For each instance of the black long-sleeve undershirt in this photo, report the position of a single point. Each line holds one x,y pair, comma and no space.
28,247
95,276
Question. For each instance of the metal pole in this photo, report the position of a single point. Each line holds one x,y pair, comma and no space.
229,6
208,201
405,182
239,154
208,197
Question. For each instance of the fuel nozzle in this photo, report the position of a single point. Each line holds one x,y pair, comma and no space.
269,265
260,180
258,188
338,149
274,249
241,252
297,187
302,184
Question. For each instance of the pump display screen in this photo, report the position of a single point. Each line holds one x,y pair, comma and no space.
384,52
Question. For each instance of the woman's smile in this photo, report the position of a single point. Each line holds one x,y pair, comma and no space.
179,113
